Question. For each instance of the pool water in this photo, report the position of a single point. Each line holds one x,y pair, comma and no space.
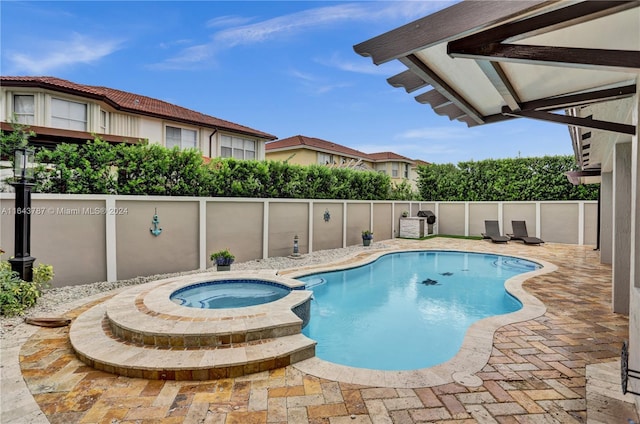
407,310
229,294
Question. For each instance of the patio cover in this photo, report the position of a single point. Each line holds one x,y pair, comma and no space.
572,63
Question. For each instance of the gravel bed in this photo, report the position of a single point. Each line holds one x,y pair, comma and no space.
54,300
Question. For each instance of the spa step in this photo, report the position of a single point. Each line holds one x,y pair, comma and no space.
138,325
98,349
144,315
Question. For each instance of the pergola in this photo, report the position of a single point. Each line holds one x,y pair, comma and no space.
575,63
490,61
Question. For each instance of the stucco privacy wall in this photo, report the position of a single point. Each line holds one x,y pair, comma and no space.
327,233
589,229
66,230
84,244
454,218
286,220
358,219
482,212
139,252
237,226
383,221
520,212
557,230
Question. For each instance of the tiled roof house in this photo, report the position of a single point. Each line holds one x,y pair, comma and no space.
58,110
304,150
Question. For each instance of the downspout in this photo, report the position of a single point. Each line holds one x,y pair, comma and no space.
215,130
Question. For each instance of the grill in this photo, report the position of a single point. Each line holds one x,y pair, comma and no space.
431,217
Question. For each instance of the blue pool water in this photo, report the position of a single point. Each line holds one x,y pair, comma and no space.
229,294
407,310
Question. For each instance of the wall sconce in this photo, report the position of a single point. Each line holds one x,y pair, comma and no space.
327,215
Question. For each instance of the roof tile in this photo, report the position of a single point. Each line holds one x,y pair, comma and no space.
319,144
132,103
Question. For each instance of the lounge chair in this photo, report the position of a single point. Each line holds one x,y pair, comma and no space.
520,233
492,231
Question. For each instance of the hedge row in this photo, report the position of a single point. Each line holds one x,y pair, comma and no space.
98,167
520,179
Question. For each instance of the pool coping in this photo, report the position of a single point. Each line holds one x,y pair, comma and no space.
472,356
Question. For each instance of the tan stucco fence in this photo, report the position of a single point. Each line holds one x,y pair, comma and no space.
90,238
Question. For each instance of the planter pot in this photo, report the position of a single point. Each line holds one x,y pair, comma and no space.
223,267
366,242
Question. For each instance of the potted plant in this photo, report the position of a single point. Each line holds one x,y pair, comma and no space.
367,236
223,259
405,214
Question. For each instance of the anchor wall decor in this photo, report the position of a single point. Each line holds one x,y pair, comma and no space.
155,230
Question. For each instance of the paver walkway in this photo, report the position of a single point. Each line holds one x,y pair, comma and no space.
536,372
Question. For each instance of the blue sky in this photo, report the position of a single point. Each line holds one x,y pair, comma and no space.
285,68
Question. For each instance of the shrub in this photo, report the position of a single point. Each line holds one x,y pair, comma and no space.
17,295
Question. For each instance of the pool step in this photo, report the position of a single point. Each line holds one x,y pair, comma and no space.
141,326
141,333
99,349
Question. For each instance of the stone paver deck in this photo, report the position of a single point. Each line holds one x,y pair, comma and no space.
536,372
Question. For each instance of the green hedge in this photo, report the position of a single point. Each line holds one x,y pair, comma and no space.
98,167
520,179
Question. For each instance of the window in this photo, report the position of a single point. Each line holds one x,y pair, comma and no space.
325,158
226,149
68,115
406,171
103,121
249,149
394,169
24,108
238,148
184,139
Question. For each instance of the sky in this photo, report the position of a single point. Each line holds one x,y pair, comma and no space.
282,67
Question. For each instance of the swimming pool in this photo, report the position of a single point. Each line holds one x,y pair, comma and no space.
407,310
223,294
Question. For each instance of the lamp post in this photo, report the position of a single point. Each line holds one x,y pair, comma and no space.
22,262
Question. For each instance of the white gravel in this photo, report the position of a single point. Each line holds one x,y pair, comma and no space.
54,300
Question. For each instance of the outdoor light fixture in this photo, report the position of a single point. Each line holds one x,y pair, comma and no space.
296,251
22,262
23,165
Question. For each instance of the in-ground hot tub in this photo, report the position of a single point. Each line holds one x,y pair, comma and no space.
221,294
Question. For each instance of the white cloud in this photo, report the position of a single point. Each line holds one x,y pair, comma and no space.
435,133
194,57
169,44
227,21
48,56
314,84
362,66
289,24
295,23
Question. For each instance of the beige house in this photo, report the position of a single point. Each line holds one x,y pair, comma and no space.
58,111
570,63
304,150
